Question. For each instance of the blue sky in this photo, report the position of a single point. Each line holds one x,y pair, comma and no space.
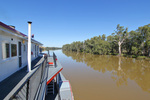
58,22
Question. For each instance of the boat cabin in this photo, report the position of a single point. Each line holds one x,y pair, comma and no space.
13,50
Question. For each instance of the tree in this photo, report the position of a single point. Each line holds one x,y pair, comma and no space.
113,44
145,33
94,45
121,34
135,43
103,37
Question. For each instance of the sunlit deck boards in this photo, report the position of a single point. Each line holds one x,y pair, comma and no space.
65,92
7,85
53,71
50,61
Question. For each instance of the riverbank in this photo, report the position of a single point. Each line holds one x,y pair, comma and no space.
133,56
123,55
50,48
137,57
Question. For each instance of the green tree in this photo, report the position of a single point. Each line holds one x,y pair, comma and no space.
103,37
145,33
122,34
113,45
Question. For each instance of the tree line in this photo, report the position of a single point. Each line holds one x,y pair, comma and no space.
135,43
50,48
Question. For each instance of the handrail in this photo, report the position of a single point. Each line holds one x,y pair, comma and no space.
55,58
31,83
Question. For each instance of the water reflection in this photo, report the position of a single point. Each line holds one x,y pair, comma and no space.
121,68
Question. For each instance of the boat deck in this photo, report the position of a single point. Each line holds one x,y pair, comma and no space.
53,71
62,88
65,92
7,85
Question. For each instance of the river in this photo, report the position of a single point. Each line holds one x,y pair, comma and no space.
105,77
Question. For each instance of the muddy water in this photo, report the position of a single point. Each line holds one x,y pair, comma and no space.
95,77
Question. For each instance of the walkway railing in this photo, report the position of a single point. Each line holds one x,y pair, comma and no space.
30,89
55,58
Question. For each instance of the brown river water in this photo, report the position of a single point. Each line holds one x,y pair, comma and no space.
99,77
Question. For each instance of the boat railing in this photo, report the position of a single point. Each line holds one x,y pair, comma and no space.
55,58
31,87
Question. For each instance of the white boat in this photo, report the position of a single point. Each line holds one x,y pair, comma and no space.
43,82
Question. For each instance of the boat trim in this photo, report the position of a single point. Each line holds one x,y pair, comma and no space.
53,77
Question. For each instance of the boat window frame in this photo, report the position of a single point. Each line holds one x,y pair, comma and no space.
12,51
4,58
4,50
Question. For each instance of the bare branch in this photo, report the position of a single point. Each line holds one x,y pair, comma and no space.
122,40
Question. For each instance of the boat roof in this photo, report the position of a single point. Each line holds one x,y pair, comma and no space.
17,32
11,29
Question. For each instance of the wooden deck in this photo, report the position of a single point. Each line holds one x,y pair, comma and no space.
62,86
7,85
63,91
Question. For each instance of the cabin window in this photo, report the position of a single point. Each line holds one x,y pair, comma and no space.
13,50
6,50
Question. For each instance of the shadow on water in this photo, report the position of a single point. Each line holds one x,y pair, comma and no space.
121,68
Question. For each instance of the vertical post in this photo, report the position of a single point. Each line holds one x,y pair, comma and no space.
29,46
27,91
54,57
48,54
57,85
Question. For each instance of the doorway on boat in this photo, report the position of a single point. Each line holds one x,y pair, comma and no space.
20,55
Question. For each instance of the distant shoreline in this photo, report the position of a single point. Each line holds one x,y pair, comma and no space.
50,48
139,57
